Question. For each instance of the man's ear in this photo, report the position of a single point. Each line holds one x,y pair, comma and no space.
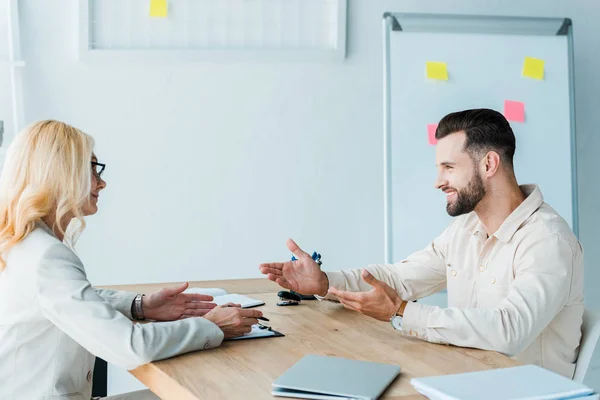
490,164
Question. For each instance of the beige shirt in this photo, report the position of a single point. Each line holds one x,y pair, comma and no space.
518,292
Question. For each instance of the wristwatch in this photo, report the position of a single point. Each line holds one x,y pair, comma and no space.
137,311
396,322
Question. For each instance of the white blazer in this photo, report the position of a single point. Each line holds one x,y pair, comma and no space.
53,324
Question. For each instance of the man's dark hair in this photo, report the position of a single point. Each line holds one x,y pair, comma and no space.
486,130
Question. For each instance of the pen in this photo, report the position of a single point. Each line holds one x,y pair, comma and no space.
315,256
261,318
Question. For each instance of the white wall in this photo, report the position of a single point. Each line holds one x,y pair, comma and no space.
211,166
5,84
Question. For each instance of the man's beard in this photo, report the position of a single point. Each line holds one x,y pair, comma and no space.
467,198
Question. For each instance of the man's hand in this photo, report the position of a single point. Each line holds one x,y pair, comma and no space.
233,321
381,302
170,304
303,275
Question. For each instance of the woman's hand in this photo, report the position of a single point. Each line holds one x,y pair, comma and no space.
170,304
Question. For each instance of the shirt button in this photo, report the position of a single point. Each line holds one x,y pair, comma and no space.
482,268
493,280
454,272
89,376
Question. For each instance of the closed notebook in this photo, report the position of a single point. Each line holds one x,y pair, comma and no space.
324,377
222,297
527,382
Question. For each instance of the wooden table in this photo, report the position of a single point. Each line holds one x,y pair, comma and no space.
245,369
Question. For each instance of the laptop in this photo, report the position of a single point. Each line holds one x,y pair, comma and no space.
325,378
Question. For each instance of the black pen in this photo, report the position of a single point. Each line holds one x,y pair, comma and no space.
261,318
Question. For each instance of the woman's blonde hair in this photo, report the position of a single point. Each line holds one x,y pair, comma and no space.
47,170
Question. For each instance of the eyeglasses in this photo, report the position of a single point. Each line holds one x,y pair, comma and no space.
98,169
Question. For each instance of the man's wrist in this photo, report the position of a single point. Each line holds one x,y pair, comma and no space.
324,285
401,309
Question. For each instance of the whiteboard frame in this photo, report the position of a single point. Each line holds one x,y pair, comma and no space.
16,70
451,23
85,53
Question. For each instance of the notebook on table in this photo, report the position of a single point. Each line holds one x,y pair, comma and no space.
222,297
527,382
323,377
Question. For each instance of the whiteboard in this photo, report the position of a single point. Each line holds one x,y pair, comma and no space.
212,29
484,57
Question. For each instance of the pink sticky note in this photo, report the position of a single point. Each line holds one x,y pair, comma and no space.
431,133
514,110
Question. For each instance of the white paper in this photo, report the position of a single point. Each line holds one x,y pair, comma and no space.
214,292
244,301
222,297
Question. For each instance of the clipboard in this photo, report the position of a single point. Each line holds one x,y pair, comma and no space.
258,333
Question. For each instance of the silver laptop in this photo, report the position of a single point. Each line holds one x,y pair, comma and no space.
324,378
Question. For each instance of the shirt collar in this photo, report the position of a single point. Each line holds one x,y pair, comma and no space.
533,200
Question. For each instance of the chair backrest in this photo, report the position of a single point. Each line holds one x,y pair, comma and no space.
590,333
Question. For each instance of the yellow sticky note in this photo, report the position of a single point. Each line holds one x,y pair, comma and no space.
533,68
437,70
158,8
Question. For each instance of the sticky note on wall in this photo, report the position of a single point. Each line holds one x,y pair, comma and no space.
437,70
533,68
514,110
159,8
431,128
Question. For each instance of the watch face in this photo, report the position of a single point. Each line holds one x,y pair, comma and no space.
397,322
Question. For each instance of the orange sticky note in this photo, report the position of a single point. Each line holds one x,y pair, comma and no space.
514,110
437,70
159,8
431,128
533,68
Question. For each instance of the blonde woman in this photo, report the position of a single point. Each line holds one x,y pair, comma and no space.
53,323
